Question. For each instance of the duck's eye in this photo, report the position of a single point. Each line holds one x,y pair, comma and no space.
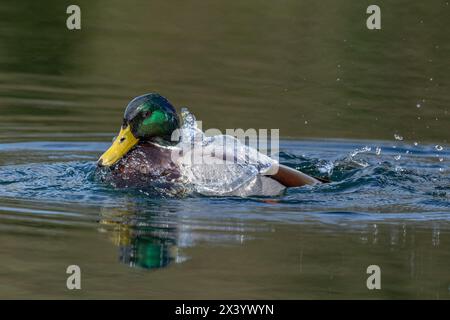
122,139
147,114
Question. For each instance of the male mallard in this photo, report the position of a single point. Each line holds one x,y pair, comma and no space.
139,153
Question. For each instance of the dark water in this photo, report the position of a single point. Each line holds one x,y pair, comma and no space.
311,69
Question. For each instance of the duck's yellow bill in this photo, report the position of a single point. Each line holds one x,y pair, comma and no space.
123,143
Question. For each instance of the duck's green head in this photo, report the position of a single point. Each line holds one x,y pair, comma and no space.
147,117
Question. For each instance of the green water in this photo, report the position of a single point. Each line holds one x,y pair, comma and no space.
308,68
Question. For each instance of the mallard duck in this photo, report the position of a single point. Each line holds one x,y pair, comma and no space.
141,151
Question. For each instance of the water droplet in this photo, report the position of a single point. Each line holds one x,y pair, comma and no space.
418,105
441,159
398,137
338,79
438,147
306,122
397,157
378,151
362,150
416,143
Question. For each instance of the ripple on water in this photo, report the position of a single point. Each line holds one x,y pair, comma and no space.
362,180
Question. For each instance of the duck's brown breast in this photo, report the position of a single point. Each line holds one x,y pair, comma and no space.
146,163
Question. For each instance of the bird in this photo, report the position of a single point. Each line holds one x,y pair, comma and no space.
142,152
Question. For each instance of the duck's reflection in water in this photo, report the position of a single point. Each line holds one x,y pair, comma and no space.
145,252
154,234
145,239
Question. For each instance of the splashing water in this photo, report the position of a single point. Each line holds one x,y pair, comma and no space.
378,151
219,164
361,150
363,182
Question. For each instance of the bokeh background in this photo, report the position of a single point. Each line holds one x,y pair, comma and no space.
309,68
